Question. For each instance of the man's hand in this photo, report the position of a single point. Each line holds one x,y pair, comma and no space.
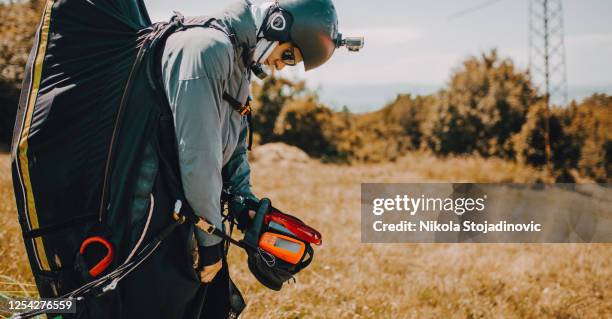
209,272
209,262
243,215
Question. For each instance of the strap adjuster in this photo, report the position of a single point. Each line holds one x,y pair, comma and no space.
205,226
243,110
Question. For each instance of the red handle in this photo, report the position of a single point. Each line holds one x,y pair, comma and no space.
106,261
296,226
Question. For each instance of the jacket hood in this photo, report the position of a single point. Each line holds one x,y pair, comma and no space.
238,17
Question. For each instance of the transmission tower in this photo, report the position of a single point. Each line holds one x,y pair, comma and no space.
546,54
547,49
547,57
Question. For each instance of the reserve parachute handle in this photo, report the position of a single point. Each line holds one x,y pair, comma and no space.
106,261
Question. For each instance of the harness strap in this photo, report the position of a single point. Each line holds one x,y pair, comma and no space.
243,110
250,124
209,22
72,222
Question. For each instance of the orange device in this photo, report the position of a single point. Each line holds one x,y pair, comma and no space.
284,247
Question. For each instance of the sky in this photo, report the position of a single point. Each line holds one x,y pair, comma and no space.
413,47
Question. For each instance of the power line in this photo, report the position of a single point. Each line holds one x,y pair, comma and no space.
472,9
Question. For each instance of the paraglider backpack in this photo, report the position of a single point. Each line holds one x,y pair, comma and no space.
94,164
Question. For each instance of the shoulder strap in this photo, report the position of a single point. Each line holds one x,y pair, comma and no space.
205,22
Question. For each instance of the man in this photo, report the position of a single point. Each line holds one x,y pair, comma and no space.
200,66
97,174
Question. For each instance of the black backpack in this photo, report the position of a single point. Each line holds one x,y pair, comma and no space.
95,167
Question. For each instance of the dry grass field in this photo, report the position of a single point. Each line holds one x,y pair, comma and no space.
353,280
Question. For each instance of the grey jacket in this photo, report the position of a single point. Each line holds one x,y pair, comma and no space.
198,65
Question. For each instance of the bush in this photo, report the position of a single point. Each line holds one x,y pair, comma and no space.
485,104
529,142
269,97
590,127
379,137
411,114
307,125
18,21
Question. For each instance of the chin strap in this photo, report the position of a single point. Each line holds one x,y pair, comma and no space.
262,51
258,70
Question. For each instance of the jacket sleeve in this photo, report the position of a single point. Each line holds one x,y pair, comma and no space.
237,172
198,129
196,65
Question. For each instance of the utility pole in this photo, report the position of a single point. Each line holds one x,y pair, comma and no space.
547,58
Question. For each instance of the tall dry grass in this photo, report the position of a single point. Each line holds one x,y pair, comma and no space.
353,280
